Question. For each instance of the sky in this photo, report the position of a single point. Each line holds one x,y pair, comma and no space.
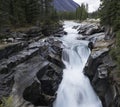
93,4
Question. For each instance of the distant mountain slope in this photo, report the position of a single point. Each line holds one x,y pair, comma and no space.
65,5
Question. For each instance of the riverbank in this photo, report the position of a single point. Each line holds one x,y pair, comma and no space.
101,69
25,56
31,71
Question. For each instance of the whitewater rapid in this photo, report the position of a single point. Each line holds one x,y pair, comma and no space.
75,89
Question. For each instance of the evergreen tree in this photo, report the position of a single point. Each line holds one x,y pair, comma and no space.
25,12
110,13
110,17
4,15
82,12
94,15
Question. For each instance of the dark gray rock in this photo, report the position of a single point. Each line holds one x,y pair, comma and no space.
98,53
95,37
14,60
25,72
109,34
10,49
102,71
33,74
98,69
10,40
90,45
89,29
38,87
100,65
92,30
75,27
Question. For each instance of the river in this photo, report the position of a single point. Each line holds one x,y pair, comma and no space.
75,89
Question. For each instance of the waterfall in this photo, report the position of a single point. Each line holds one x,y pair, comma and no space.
75,89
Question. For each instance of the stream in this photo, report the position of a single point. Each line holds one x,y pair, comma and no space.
75,89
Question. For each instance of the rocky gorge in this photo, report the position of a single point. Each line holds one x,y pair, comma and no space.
31,67
100,67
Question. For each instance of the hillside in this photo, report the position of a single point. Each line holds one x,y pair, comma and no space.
65,5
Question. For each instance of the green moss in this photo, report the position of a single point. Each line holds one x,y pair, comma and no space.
7,102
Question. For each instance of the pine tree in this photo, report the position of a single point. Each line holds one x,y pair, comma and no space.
110,17
26,12
109,12
4,14
82,12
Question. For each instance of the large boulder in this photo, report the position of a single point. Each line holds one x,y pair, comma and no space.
8,49
89,29
38,87
99,68
32,75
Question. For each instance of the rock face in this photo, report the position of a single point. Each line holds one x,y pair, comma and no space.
65,5
100,66
32,73
32,70
89,29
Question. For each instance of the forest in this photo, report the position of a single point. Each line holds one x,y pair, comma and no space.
110,17
30,12
24,13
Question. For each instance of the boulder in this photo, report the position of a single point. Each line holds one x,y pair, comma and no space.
8,49
38,87
99,53
89,29
90,45
96,37
92,30
10,40
28,88
75,27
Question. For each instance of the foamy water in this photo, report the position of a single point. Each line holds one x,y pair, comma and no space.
75,89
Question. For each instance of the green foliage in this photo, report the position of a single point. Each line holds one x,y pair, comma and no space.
66,15
7,102
110,13
4,19
94,15
25,12
115,52
81,13
110,17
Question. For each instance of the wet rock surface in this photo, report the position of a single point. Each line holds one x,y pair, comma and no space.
89,29
31,69
100,67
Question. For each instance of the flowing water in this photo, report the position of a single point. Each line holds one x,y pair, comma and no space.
75,89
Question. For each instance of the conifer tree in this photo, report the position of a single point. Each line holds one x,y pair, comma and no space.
25,12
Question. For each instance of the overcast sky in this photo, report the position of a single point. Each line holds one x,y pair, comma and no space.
93,4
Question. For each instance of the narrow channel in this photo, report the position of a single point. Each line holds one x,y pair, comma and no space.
75,89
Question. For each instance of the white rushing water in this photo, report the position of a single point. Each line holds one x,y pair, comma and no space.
75,89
